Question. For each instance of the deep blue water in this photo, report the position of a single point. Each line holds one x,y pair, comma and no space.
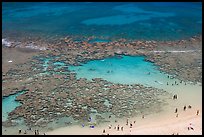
131,20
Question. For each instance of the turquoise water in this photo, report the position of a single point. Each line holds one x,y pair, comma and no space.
9,104
124,70
99,40
45,65
131,20
119,69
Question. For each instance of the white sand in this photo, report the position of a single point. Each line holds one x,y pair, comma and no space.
146,126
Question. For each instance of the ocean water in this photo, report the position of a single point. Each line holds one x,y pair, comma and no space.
9,104
131,20
99,40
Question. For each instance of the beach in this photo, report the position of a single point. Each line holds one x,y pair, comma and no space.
161,126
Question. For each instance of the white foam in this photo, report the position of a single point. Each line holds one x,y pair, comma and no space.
32,46
174,51
6,43
159,82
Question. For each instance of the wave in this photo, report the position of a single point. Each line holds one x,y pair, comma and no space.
6,43
174,51
32,46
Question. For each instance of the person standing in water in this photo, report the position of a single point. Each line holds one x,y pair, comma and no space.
176,110
127,122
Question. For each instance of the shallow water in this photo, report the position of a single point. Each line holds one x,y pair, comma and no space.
9,104
131,20
99,40
123,70
118,69
135,70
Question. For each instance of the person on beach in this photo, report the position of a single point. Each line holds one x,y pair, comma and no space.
189,106
19,131
25,132
176,110
104,131
109,126
130,125
175,97
197,112
184,108
127,122
134,121
121,128
118,128
190,127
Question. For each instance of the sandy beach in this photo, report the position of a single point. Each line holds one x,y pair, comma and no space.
147,126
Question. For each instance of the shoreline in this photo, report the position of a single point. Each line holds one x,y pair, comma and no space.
162,123
159,126
165,121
